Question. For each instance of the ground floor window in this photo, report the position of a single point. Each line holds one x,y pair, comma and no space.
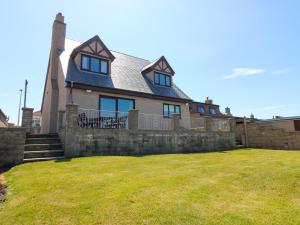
112,105
169,109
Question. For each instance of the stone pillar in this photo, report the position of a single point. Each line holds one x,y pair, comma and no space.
232,124
208,123
27,119
133,119
61,119
70,131
175,117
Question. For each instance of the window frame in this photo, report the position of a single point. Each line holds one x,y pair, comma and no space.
212,108
201,106
167,104
90,64
116,102
159,74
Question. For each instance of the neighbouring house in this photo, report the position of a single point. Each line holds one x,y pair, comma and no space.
96,78
3,119
36,122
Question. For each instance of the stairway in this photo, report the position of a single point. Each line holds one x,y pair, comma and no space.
41,147
239,144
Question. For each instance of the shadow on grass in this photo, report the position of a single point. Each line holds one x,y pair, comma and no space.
63,160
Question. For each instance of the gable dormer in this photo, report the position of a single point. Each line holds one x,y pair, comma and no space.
93,56
159,72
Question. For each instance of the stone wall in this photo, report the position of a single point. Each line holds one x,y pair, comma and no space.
88,141
262,135
12,142
85,142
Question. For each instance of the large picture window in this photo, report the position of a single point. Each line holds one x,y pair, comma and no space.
169,109
162,79
93,64
111,106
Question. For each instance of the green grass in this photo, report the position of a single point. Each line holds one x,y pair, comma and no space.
234,187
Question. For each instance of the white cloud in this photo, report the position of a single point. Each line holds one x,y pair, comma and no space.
244,72
282,71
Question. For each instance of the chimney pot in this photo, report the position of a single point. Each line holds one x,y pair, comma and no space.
208,101
59,17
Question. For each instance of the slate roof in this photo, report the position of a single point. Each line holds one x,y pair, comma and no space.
125,74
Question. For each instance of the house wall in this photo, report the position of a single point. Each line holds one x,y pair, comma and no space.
144,105
46,106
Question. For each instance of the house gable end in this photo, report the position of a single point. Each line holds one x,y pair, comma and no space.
94,46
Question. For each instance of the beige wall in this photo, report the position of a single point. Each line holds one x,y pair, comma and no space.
144,105
287,125
46,106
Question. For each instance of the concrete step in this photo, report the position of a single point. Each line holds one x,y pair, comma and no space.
240,146
42,159
42,140
41,147
53,135
43,154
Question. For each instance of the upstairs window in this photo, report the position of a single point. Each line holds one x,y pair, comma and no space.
93,64
170,109
212,111
201,109
162,79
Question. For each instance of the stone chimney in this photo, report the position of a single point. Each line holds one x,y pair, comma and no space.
227,111
58,34
208,101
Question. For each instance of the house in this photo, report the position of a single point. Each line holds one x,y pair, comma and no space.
96,78
3,119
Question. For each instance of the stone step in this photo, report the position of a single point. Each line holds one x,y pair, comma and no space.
53,140
41,147
42,159
53,135
240,146
43,154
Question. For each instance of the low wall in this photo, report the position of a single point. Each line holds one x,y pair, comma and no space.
261,135
84,142
12,142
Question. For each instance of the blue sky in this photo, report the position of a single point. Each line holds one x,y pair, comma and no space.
243,54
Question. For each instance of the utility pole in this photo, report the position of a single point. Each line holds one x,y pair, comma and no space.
25,95
19,106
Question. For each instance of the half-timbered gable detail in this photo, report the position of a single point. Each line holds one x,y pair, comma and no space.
159,65
159,72
93,56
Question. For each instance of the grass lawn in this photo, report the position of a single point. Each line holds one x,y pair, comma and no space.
234,187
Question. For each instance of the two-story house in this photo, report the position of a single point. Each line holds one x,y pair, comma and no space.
96,78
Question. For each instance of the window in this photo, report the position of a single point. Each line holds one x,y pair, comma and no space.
110,106
212,111
162,79
169,109
95,65
201,109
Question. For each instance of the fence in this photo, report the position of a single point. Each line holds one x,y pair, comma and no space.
89,118
154,122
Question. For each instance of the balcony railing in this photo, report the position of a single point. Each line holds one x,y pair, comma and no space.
89,118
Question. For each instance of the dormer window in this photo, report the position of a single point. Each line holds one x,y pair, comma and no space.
162,79
201,109
93,64
212,111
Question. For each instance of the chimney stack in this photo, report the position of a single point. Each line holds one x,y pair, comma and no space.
58,33
208,101
227,111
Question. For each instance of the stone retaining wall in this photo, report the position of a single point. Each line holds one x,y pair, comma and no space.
261,135
12,142
92,141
